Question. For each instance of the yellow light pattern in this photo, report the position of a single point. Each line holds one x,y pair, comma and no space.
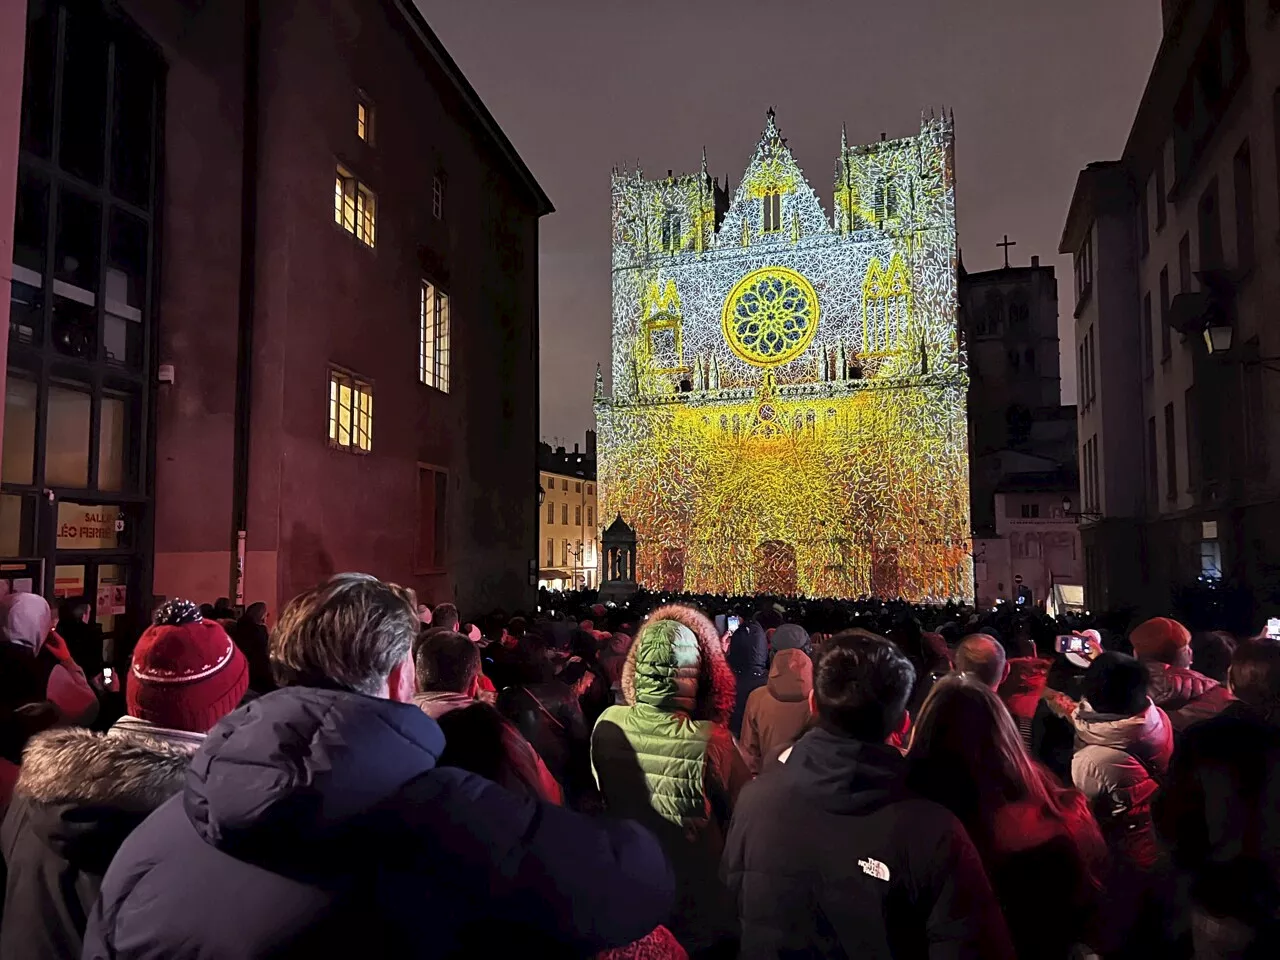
787,412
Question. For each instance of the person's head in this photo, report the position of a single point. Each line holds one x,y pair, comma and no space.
222,605
577,676
186,674
1254,677
517,627
966,754
353,632
983,657
1163,640
1116,684
860,686
769,618
424,614
478,738
1212,653
447,662
970,747
76,608
256,613
446,617
25,620
677,666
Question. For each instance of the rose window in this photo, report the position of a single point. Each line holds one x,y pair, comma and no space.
770,316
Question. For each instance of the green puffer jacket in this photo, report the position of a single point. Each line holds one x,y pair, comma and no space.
667,759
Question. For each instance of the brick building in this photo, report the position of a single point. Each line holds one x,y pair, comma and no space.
273,307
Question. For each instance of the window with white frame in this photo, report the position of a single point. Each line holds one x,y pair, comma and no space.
364,119
350,412
433,337
437,197
355,208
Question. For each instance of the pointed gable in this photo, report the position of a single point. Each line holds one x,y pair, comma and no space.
774,202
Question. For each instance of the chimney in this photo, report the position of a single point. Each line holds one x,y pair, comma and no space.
1035,261
575,448
591,443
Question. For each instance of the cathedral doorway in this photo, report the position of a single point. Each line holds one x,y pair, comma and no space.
671,569
776,568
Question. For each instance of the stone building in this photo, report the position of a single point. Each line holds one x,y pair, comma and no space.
787,411
1177,275
1022,440
568,526
273,310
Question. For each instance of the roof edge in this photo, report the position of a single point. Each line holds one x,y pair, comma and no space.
436,49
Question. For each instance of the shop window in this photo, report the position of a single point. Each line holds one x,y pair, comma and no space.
133,124
113,446
66,437
125,290
19,431
84,97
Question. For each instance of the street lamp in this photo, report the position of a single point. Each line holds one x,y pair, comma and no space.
1066,511
542,494
1217,336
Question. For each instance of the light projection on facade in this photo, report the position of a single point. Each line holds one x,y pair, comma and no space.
788,404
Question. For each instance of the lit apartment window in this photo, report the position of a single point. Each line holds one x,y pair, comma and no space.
364,119
437,197
355,208
577,516
551,514
350,412
551,552
433,337
591,516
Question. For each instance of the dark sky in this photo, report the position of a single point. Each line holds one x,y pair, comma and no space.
1039,89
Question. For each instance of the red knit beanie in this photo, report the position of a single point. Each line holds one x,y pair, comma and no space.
186,674
1159,639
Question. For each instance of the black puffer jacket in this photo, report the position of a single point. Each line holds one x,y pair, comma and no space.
80,794
315,823
829,855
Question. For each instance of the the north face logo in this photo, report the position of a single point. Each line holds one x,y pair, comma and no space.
874,868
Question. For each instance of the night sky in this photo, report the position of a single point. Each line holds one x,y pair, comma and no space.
1039,89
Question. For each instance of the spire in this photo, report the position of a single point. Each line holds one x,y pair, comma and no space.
704,162
599,383
844,140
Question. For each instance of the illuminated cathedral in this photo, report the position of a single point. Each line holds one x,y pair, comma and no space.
788,388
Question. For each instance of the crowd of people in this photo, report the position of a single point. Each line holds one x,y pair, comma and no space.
673,777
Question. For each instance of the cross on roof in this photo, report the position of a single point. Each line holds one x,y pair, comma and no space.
1007,244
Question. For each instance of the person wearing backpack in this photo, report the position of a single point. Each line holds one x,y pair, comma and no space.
1123,746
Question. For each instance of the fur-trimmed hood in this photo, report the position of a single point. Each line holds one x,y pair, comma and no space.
703,687
80,794
75,766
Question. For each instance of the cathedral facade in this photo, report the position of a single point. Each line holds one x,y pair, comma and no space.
788,388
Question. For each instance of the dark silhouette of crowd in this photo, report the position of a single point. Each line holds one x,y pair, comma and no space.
664,778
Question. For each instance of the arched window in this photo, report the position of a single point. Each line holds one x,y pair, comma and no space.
771,211
886,302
